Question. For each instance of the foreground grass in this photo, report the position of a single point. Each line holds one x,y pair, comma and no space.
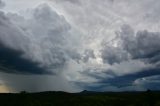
81,99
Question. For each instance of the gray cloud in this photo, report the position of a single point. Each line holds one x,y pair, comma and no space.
143,45
2,4
52,39
70,1
11,61
151,82
87,55
129,46
40,39
12,43
71,40
141,80
37,45
113,55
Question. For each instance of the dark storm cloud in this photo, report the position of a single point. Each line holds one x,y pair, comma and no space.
12,43
126,82
128,79
33,51
21,54
151,82
11,61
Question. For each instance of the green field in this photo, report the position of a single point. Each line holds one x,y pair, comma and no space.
81,99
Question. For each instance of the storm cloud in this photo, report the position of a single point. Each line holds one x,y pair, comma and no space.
26,49
73,45
142,45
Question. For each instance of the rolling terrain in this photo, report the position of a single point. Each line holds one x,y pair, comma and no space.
85,98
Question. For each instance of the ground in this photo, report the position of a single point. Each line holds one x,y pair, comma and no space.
147,98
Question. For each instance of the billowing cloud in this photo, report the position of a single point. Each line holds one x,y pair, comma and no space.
12,45
126,51
44,38
143,45
42,43
77,44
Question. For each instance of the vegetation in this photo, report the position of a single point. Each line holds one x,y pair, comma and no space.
81,99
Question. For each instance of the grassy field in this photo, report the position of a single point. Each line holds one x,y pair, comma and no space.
81,99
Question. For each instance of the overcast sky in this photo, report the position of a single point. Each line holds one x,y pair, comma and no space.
74,45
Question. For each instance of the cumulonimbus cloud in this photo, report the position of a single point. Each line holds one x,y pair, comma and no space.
75,43
41,36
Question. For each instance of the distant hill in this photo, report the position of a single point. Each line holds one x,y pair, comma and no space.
84,98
